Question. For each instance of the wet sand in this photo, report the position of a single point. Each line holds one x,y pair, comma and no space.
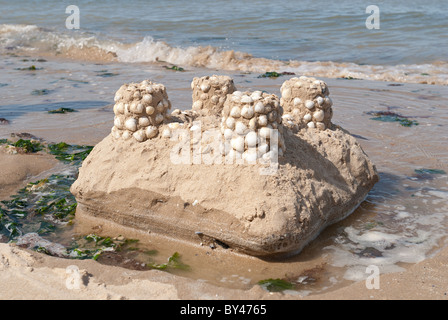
29,275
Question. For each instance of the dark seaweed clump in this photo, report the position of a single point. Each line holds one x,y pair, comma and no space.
175,68
389,116
273,74
62,110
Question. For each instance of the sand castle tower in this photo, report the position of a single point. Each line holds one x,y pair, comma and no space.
210,93
306,102
249,122
140,108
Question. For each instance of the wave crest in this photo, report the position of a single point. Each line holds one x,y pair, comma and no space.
42,41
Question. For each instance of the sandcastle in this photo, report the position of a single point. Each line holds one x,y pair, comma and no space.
307,103
322,173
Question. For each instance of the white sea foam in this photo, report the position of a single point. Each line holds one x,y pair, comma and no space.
39,40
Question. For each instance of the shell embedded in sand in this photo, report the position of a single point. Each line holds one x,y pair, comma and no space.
151,132
139,135
137,95
205,87
251,139
320,125
253,124
126,135
250,156
297,101
262,121
174,125
230,123
320,101
263,148
197,105
139,108
259,107
265,132
166,133
240,128
150,110
159,118
118,123
237,144
235,112
160,106
116,133
272,116
246,99
131,124
228,134
309,104
311,125
143,122
247,112
214,99
307,117
286,93
319,115
147,98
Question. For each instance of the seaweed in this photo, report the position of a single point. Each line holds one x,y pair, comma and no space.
273,74
69,153
43,206
276,285
42,92
175,68
389,116
106,74
349,78
31,68
62,110
28,146
429,171
173,262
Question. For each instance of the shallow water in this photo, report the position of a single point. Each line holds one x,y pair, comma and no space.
402,221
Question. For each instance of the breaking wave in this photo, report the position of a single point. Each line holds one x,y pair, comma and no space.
83,46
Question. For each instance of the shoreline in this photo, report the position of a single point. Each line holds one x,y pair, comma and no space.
45,277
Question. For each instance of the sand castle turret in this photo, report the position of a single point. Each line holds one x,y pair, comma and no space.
306,102
210,93
248,123
140,108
